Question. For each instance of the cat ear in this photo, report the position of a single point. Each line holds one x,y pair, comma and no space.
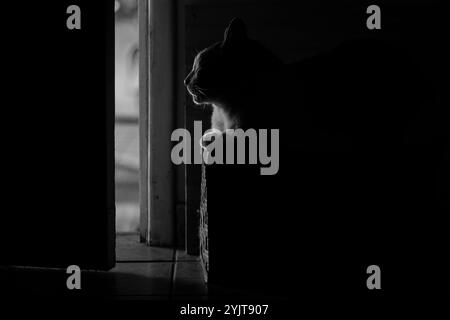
236,31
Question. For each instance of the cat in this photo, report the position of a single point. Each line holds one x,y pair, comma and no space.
362,92
226,75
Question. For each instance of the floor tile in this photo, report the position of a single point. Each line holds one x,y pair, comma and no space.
129,248
181,255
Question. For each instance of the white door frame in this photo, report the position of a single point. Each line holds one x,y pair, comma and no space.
157,103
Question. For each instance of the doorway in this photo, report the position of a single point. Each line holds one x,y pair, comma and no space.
144,119
127,116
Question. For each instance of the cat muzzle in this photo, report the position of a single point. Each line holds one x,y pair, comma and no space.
197,97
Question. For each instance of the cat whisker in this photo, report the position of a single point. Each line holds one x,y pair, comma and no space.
198,88
202,91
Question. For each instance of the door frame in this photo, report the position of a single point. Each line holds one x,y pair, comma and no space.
157,105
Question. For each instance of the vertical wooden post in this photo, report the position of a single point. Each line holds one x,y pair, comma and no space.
157,105
144,104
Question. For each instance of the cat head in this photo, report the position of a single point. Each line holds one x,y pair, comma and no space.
229,69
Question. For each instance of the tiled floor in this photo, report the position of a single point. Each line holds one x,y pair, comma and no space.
129,249
176,273
141,272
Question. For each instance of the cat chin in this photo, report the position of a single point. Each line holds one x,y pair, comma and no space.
199,101
196,99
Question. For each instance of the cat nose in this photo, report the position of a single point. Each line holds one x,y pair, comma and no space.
186,80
